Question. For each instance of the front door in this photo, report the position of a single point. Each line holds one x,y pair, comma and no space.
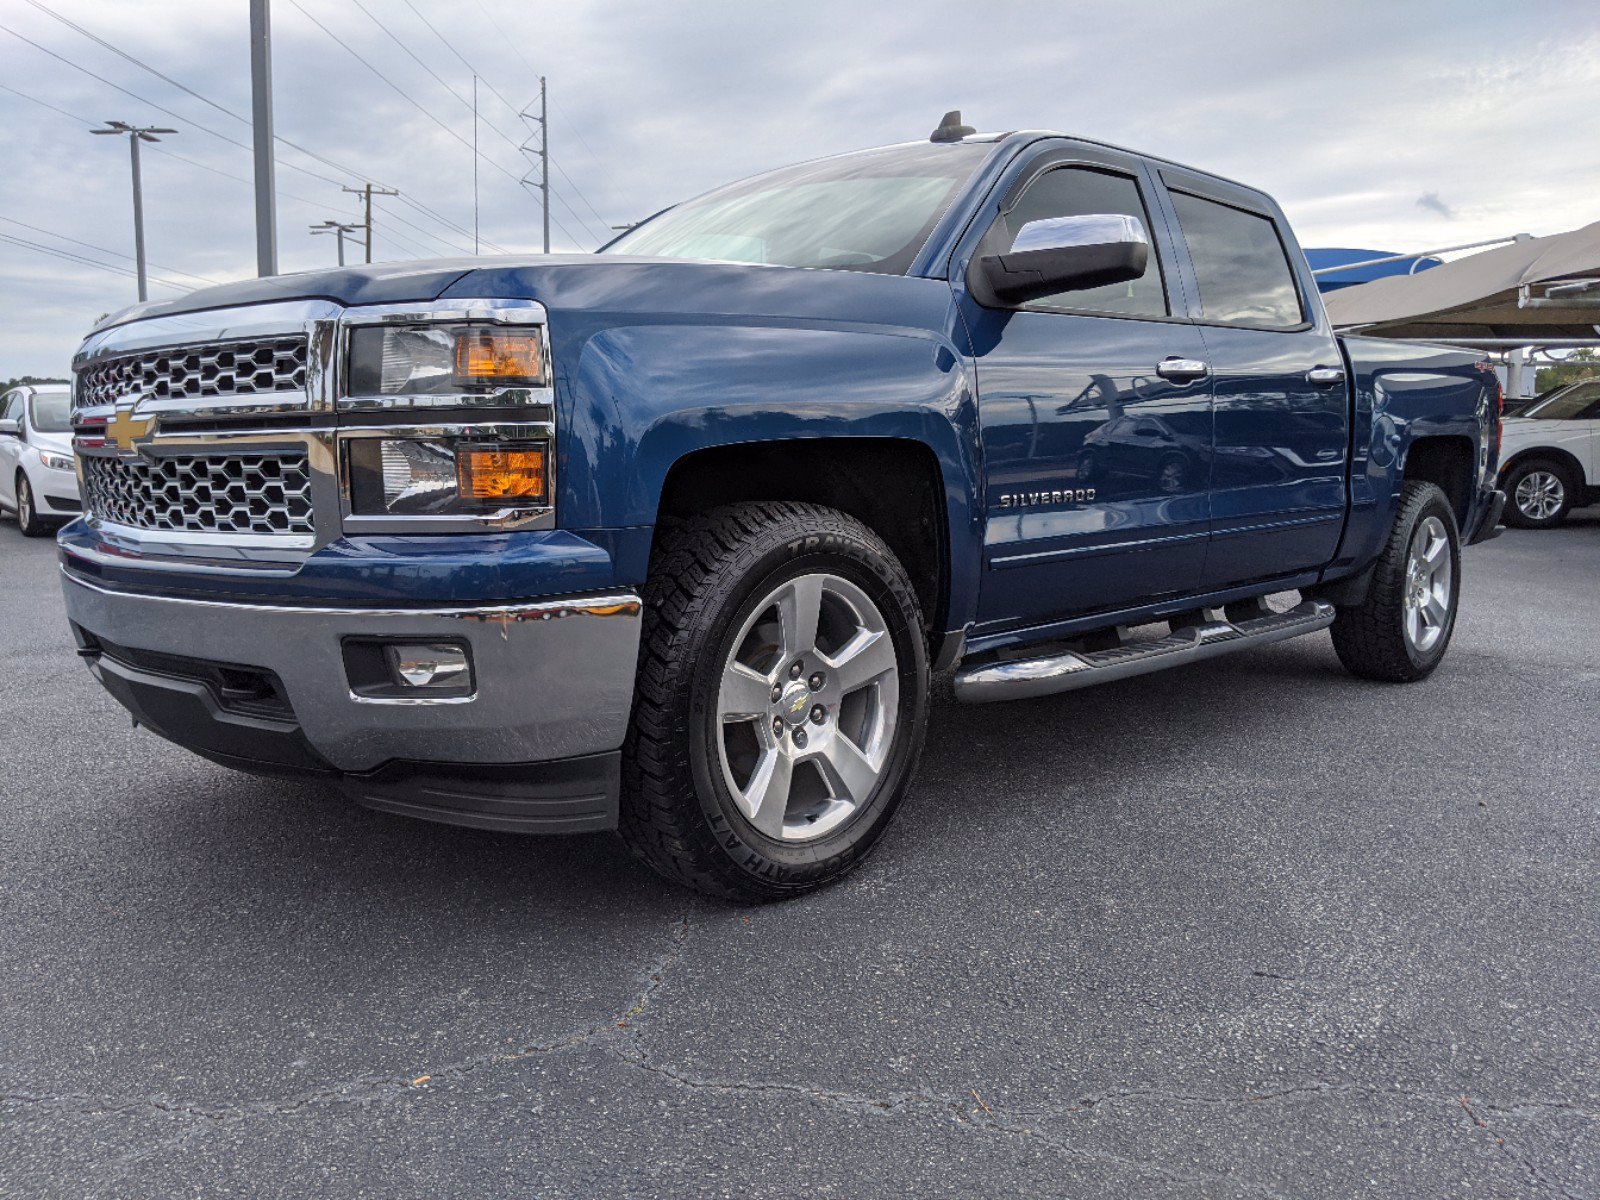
1278,380
1095,412
10,447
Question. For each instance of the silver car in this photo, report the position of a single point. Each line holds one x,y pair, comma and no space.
38,479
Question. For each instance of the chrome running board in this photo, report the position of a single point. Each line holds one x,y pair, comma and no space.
1208,637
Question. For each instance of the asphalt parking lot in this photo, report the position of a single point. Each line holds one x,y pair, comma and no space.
1249,929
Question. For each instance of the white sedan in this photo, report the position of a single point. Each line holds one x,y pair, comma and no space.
1551,453
38,480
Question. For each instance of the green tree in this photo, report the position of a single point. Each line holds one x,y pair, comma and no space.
22,379
1580,364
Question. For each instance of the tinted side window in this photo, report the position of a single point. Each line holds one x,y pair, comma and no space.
1577,403
1078,192
1239,263
11,406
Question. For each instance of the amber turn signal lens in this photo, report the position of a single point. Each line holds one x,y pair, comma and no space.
501,473
493,356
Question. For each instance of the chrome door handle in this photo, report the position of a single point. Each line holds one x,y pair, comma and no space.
1325,376
1182,370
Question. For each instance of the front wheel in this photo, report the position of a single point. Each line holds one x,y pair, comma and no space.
1401,630
28,519
781,700
1541,495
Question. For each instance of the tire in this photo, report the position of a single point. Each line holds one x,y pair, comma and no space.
28,518
707,798
1401,631
1539,494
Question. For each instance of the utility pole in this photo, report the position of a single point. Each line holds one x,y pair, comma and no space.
135,135
544,161
543,155
340,228
261,124
475,164
367,191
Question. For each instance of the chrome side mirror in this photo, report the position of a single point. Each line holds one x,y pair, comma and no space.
1063,254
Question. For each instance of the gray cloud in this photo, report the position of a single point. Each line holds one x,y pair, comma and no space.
655,102
1430,202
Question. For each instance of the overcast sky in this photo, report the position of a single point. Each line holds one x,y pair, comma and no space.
1403,126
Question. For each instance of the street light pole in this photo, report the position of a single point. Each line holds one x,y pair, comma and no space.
340,228
135,135
262,138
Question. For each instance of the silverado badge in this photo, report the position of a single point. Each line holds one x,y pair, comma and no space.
1063,496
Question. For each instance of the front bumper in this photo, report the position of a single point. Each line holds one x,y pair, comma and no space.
264,688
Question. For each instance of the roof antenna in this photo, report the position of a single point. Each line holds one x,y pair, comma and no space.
950,128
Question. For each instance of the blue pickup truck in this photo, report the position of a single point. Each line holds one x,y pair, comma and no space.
668,539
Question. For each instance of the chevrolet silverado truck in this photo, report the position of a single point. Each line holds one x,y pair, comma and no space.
668,538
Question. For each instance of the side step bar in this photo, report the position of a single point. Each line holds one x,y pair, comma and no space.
1068,670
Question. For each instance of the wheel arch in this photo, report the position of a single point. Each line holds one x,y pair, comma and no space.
1546,454
1447,461
893,485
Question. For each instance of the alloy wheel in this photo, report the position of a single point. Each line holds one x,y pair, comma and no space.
1430,576
1540,495
807,707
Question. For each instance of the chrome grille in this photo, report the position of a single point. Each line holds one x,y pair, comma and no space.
259,493
245,368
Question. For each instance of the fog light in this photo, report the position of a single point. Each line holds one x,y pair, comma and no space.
428,666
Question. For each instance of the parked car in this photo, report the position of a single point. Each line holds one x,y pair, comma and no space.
668,539
38,480
1551,454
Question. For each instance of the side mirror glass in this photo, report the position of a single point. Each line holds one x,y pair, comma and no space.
10,428
1063,254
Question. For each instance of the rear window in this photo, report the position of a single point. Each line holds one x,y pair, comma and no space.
1239,263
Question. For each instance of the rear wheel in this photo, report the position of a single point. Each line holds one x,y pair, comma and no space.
781,700
1541,493
1402,629
28,518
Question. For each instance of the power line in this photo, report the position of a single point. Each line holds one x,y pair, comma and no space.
103,249
121,53
175,116
402,93
280,139
440,238
88,262
395,38
488,83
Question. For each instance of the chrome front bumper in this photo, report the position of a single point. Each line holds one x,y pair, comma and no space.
553,678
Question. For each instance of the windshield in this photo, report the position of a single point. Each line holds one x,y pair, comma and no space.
870,211
52,412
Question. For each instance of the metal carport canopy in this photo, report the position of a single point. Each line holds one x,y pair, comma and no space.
1535,292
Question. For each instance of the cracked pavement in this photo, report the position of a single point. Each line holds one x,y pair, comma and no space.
1247,929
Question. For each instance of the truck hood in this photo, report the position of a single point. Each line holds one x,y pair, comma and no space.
593,283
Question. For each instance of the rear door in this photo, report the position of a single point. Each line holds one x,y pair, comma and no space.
1096,442
1278,381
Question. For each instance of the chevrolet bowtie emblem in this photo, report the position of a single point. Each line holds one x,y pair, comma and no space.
124,429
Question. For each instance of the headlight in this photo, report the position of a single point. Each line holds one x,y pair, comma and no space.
439,360
437,477
56,462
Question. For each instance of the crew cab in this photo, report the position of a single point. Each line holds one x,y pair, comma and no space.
1551,456
668,538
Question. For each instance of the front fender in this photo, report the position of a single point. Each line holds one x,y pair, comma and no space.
644,395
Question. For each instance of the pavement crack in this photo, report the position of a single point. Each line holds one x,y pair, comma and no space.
368,1090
